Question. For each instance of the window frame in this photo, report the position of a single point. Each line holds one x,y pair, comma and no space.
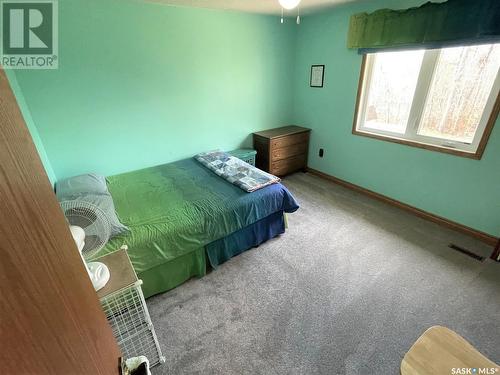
474,151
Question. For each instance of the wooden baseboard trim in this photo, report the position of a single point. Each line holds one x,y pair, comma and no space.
484,237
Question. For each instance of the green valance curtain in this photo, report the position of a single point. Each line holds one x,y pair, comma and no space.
432,25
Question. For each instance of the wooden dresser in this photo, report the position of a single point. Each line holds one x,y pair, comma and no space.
283,150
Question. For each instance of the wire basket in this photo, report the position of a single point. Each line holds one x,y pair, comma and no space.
129,319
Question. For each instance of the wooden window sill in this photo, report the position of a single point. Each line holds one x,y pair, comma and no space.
447,150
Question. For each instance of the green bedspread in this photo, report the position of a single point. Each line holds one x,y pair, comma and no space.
174,210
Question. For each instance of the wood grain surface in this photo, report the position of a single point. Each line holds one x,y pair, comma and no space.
50,318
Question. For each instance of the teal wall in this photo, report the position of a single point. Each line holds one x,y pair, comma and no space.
141,84
463,190
31,125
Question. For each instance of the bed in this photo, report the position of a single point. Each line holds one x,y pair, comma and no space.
182,216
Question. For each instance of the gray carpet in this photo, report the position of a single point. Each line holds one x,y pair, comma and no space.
347,290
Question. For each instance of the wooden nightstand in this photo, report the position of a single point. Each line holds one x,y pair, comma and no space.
283,150
125,308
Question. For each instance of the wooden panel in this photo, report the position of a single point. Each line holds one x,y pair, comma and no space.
484,237
281,132
289,140
261,145
439,350
50,318
495,255
289,151
286,166
488,129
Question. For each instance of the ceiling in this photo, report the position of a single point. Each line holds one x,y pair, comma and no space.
254,6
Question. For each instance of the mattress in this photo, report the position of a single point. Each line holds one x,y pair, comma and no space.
174,210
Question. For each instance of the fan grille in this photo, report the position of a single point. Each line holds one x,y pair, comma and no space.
92,220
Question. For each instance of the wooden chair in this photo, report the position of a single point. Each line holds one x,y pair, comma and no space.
439,350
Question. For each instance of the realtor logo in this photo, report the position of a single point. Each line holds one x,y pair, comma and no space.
29,34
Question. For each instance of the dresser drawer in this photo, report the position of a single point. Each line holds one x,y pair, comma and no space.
289,140
282,150
289,165
289,151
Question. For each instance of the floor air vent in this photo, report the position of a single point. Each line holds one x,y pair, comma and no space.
466,252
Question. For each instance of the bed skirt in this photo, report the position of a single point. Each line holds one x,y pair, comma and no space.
171,274
253,235
168,275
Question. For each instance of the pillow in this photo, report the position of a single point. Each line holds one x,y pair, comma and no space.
91,188
84,184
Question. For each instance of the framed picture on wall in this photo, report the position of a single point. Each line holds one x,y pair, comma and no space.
317,75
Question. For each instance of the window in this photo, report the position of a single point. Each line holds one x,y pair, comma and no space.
442,99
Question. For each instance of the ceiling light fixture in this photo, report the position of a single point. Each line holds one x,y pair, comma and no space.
289,4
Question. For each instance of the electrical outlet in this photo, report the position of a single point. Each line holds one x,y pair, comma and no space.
321,152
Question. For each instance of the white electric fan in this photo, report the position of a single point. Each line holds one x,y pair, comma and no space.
91,230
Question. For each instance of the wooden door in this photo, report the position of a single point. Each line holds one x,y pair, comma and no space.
50,318
496,253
